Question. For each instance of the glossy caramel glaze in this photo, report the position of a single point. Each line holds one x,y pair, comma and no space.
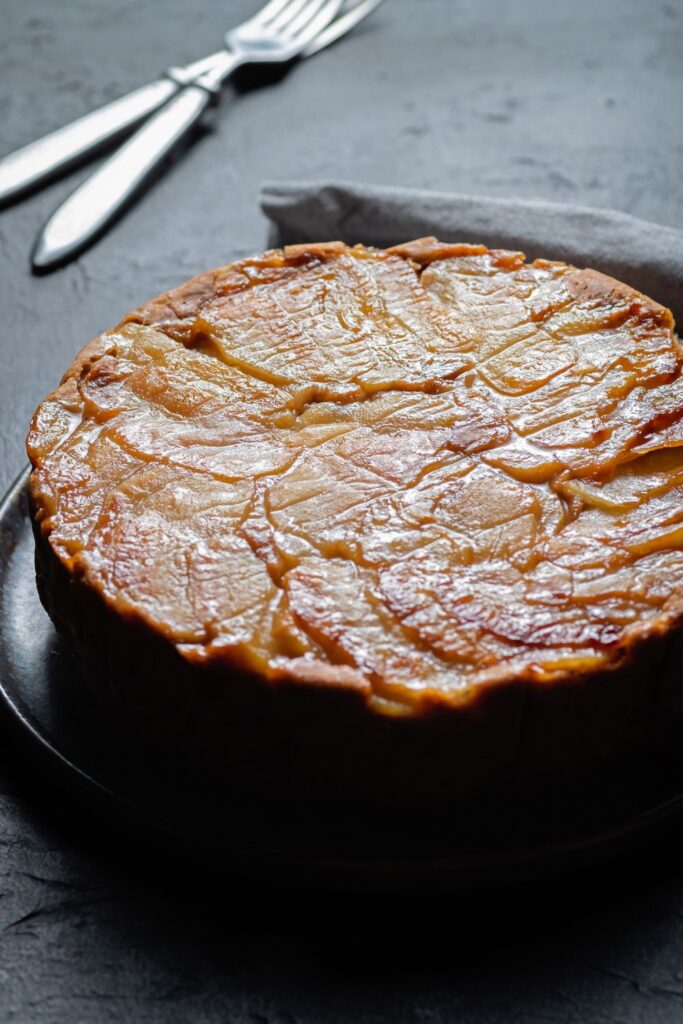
414,473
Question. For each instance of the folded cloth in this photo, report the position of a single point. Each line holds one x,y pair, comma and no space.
647,256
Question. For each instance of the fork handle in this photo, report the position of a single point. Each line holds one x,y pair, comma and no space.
98,201
43,159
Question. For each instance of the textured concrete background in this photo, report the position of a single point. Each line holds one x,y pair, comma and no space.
567,101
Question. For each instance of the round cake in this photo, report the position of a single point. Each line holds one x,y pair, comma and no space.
406,523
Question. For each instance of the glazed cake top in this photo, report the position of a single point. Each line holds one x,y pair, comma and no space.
413,472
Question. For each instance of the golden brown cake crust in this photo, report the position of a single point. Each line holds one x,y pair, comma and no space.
490,570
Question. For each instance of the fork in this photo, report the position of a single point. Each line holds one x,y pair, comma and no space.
25,169
281,31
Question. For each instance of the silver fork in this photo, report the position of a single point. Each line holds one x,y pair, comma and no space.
24,170
279,32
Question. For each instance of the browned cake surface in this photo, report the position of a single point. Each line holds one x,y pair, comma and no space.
411,472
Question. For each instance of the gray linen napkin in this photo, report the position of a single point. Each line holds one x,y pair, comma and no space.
647,256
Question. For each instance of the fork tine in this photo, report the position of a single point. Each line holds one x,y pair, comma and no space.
350,6
352,12
287,15
315,16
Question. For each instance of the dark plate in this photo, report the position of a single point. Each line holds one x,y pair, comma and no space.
340,845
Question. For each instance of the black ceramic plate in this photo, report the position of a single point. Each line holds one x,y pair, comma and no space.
46,700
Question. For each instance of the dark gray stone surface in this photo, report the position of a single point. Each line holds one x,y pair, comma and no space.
568,101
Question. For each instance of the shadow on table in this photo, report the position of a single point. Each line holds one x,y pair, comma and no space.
220,945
